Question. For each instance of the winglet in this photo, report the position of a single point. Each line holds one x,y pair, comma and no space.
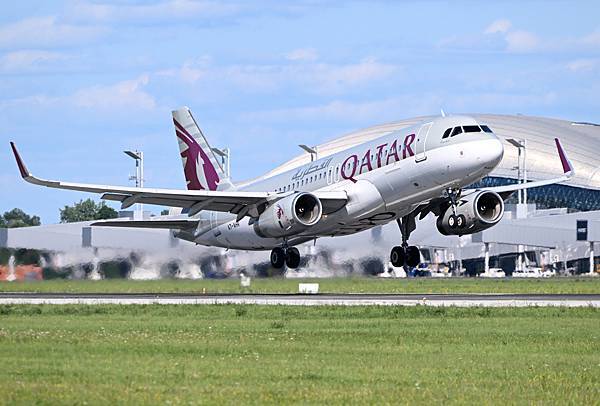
566,164
22,168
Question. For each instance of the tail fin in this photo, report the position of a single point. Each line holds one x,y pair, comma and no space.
202,169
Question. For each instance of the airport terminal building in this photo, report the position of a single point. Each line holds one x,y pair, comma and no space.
540,226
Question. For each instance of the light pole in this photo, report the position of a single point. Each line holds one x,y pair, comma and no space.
521,145
138,156
314,154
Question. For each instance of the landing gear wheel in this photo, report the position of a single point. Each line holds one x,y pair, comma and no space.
277,258
452,220
397,256
413,256
460,221
292,258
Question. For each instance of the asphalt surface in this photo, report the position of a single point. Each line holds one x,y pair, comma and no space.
461,300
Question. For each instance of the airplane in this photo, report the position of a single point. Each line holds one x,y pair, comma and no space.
401,176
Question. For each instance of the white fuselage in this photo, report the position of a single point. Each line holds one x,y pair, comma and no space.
384,178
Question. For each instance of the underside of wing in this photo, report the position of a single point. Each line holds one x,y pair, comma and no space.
172,224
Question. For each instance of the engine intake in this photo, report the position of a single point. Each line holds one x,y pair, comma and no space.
289,216
474,213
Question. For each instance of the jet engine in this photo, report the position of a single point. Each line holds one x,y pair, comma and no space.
289,216
475,212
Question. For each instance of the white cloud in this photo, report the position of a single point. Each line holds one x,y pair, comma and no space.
592,39
498,26
312,77
125,94
363,112
521,41
321,78
334,110
36,100
582,65
191,71
365,71
159,11
302,54
46,32
27,60
516,40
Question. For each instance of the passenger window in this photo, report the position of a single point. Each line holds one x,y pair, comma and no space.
472,129
446,133
486,129
457,130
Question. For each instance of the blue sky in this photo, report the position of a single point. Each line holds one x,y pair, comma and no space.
81,81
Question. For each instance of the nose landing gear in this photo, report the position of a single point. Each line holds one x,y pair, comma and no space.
281,256
455,221
405,255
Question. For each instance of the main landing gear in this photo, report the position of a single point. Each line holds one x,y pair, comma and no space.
405,254
289,256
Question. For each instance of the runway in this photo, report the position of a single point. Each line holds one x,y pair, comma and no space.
458,300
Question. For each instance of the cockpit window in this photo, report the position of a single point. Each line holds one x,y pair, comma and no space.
472,129
447,133
486,128
457,130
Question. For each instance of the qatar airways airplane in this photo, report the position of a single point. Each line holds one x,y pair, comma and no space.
401,176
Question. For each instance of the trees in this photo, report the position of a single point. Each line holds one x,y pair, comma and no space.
87,210
18,218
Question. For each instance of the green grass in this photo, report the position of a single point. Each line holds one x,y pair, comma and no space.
332,285
276,354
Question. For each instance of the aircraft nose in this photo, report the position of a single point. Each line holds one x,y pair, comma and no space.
493,152
496,152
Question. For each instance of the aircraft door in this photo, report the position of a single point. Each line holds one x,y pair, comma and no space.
421,153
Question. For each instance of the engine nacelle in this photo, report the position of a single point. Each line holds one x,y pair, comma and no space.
289,216
479,211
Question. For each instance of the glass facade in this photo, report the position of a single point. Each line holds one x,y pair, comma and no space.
551,196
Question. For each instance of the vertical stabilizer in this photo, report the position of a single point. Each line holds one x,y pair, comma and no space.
201,168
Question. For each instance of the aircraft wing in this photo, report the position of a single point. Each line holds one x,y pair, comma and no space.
568,172
237,202
171,224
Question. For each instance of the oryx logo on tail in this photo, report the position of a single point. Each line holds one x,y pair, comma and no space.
200,174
